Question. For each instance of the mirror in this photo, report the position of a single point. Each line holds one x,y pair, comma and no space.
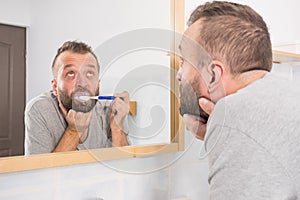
141,65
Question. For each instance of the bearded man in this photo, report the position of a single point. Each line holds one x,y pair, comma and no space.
60,120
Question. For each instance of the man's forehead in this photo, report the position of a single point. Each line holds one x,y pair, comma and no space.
189,41
68,59
194,30
69,56
191,48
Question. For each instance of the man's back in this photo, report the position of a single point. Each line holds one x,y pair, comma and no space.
254,139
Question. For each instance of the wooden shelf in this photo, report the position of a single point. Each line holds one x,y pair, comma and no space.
286,53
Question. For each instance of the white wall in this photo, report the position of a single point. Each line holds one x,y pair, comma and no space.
8,10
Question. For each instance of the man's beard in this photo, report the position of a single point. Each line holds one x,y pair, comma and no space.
70,102
189,101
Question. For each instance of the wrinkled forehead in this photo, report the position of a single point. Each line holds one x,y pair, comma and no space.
190,48
78,60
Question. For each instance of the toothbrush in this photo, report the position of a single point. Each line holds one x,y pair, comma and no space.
86,98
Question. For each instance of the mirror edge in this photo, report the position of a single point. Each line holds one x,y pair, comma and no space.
177,22
49,160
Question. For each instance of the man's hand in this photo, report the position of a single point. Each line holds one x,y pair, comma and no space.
119,110
79,122
77,130
196,124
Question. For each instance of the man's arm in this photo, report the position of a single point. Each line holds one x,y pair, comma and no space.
119,110
76,132
118,135
68,141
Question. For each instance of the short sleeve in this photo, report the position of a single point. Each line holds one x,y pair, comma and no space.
38,138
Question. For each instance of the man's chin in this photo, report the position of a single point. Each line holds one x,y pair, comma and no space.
196,125
83,107
200,118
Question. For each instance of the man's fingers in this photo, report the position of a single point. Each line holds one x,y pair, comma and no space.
119,105
63,109
83,118
124,96
78,120
206,105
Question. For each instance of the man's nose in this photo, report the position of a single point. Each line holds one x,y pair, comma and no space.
81,81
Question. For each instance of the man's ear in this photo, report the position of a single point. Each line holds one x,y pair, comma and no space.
54,87
217,70
99,85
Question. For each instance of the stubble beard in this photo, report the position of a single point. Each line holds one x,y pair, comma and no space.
189,100
70,102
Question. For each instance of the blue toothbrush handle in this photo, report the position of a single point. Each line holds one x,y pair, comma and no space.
106,97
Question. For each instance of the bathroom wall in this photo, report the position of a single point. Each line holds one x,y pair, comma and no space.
8,10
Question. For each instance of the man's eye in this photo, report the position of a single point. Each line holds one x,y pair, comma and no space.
90,74
70,74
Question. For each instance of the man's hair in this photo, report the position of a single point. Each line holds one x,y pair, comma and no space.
75,47
234,34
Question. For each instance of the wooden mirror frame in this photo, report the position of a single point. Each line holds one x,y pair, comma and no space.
21,163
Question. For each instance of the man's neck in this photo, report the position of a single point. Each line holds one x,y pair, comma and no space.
242,80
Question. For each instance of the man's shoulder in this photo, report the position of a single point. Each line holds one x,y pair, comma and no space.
42,101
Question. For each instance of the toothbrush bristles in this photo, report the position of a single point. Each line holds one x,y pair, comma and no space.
84,98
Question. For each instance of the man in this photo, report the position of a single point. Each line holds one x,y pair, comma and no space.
59,120
252,133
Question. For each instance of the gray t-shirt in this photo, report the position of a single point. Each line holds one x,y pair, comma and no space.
45,125
253,142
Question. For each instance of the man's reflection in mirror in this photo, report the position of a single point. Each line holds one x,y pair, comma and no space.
60,120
